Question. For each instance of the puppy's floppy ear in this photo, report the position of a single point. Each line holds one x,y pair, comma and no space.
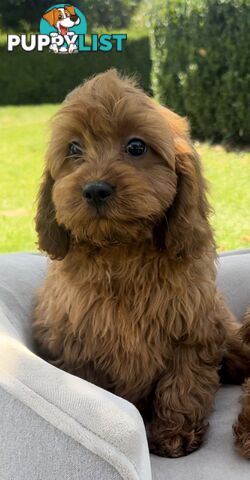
187,230
50,16
70,9
52,238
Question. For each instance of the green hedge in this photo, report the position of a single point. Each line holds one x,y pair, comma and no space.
27,78
200,52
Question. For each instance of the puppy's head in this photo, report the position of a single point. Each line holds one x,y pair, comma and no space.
120,169
62,16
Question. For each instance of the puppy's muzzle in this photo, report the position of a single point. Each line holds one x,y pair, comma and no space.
97,193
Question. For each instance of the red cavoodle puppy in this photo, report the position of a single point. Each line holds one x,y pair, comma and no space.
130,301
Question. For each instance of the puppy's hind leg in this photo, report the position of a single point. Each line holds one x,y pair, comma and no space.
242,426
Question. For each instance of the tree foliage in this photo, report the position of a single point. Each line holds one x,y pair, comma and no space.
201,66
26,14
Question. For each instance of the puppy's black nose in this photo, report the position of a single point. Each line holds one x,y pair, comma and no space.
96,193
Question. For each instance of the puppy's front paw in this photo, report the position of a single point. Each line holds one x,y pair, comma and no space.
72,48
178,445
54,48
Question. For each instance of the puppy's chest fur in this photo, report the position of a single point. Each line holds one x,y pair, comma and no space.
115,318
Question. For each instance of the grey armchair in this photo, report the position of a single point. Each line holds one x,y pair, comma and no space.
54,426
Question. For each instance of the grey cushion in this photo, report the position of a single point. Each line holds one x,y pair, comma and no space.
234,280
34,449
56,426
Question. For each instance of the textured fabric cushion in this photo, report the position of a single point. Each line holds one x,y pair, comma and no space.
32,448
234,280
54,425
104,424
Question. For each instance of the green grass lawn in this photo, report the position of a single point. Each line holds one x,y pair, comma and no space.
24,135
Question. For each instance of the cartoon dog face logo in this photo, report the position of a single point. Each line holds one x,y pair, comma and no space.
62,19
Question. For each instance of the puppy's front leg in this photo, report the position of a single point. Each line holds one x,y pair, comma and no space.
183,398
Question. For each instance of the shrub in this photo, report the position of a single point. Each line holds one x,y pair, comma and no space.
44,77
107,13
200,53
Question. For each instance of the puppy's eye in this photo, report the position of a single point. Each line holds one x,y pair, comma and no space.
136,147
75,149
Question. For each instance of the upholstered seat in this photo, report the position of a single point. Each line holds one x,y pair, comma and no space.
54,426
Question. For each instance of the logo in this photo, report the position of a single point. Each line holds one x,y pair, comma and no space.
63,29
63,23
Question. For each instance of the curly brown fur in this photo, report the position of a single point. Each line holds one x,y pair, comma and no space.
242,426
130,301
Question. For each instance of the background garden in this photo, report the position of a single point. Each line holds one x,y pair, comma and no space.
191,55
